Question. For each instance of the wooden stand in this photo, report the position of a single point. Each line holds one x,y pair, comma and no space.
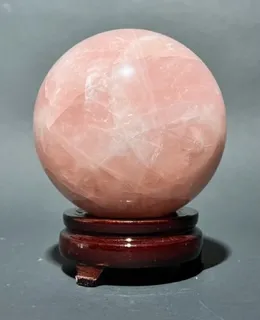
96,243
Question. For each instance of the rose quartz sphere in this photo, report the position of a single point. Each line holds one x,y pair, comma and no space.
130,124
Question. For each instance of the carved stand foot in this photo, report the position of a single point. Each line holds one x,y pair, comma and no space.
88,276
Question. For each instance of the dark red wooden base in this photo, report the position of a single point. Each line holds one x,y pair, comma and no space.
96,243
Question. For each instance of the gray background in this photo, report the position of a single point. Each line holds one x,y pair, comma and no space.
226,35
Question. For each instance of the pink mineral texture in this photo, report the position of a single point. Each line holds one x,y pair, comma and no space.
130,124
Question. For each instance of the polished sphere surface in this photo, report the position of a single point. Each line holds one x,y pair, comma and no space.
130,124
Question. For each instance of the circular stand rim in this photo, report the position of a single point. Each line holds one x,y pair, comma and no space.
130,252
180,221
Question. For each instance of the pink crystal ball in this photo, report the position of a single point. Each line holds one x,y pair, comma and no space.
130,124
